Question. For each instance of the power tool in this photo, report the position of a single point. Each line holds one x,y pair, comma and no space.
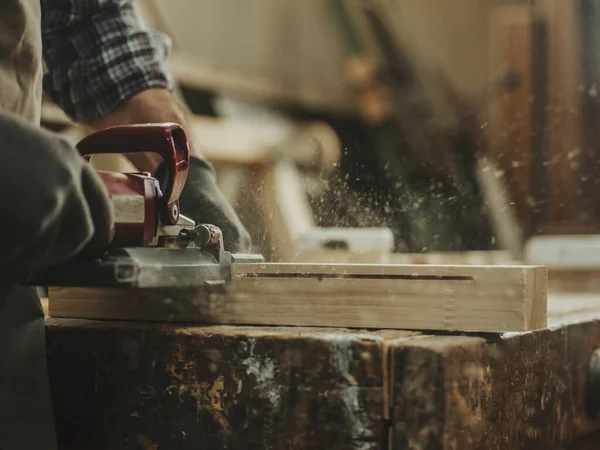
154,245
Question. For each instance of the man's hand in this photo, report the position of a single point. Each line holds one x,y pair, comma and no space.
106,68
55,203
203,202
201,199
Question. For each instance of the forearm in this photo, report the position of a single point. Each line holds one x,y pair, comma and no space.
105,68
149,106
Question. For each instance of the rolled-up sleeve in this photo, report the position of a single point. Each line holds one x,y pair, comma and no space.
98,54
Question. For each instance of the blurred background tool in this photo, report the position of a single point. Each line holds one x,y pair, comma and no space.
345,245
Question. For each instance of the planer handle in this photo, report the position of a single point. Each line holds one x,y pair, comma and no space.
168,140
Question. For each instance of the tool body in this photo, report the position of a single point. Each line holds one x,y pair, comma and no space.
154,245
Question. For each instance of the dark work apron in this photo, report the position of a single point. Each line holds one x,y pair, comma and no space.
26,419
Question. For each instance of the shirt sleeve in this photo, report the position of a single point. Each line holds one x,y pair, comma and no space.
98,54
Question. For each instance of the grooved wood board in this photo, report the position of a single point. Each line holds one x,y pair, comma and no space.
444,297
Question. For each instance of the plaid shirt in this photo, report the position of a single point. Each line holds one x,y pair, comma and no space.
98,54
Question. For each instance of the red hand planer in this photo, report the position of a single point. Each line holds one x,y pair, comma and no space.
154,245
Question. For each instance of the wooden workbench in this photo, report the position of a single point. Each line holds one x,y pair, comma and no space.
122,385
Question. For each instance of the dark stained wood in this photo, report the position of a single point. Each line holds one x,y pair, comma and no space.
517,391
588,442
129,386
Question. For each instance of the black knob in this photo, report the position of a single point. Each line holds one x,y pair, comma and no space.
202,235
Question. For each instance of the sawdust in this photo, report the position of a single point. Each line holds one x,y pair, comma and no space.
355,413
263,370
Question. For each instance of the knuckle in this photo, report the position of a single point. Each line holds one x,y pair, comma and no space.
49,205
64,174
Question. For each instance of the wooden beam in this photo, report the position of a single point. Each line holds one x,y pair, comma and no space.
470,298
215,387
183,386
510,130
563,110
285,211
453,392
309,144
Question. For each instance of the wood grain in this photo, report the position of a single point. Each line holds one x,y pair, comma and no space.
471,298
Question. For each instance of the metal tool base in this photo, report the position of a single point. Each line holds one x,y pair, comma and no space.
145,267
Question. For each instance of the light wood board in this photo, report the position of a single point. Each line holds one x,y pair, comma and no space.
469,298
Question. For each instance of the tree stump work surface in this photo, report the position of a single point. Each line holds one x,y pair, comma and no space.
126,385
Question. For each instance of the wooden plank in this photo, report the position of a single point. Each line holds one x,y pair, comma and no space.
574,281
312,144
472,298
565,308
284,209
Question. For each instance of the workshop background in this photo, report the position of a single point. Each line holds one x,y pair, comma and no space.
464,125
